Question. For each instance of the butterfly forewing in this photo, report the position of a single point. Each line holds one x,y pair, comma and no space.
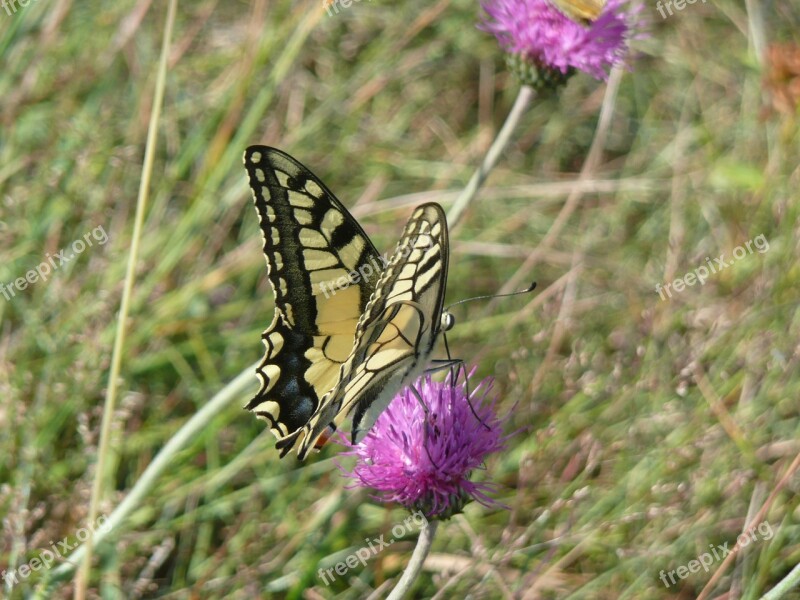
313,248
397,331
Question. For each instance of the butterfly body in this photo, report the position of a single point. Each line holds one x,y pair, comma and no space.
349,331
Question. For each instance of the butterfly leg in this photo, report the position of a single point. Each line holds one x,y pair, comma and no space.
428,418
450,361
445,363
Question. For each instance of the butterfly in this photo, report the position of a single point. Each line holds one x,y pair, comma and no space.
580,11
350,329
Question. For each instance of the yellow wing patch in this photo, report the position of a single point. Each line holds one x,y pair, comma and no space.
396,333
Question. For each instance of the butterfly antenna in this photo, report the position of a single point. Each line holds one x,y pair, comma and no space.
461,365
528,289
449,363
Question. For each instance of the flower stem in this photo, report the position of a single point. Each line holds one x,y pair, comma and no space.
100,475
188,432
526,94
414,567
788,582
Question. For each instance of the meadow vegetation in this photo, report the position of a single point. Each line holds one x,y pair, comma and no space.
649,430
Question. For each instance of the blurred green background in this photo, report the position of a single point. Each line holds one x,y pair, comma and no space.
649,429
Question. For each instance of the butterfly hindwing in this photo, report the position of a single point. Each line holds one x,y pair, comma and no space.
397,331
313,247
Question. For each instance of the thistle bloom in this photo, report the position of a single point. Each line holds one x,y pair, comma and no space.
536,32
430,471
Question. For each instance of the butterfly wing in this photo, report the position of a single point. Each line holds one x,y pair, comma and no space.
580,11
396,334
323,270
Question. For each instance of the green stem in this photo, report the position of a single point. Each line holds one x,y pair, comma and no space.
190,431
788,582
414,567
526,94
130,276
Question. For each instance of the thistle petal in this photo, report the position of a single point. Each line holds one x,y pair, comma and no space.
429,471
546,38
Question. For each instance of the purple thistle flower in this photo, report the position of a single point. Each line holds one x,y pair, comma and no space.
430,472
539,33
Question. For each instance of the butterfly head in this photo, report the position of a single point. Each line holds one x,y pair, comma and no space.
447,321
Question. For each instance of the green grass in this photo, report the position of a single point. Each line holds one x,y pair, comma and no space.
623,465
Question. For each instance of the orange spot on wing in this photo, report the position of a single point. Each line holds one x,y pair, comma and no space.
323,439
